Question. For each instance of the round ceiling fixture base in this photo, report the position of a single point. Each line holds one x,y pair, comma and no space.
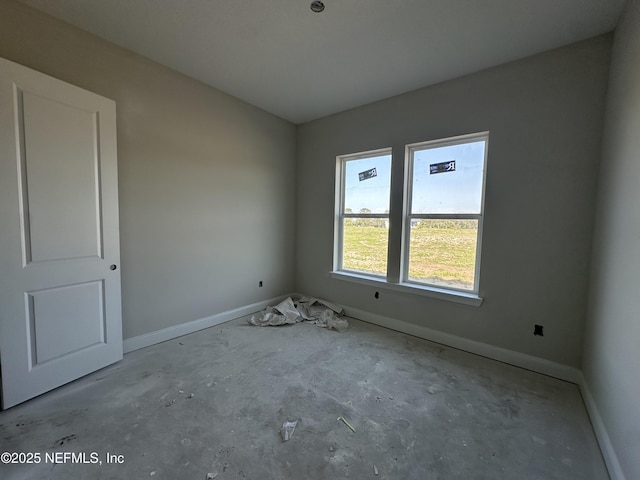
317,6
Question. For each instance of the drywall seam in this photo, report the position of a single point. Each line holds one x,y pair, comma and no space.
604,441
536,364
169,333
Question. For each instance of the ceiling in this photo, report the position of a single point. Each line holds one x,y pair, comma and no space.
282,57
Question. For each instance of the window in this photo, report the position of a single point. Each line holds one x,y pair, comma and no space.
363,212
438,239
443,212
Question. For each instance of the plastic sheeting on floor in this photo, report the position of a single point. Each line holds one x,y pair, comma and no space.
304,309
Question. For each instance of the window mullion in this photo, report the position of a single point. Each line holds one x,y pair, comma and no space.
394,253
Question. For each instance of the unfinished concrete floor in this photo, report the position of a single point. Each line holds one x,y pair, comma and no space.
214,402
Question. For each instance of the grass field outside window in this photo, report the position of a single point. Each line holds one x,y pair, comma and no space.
365,245
443,252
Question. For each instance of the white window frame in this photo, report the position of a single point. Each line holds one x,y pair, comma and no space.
403,284
408,199
341,163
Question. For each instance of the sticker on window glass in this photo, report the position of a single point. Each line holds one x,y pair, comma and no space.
443,167
367,174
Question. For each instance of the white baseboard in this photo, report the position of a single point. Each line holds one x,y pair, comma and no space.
169,333
536,364
608,453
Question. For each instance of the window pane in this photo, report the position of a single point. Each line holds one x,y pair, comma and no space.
440,186
443,252
367,185
365,245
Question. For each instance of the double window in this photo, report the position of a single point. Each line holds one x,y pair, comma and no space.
440,231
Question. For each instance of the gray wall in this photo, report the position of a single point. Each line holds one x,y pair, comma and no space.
612,342
545,114
206,203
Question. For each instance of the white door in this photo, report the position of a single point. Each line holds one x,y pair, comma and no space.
60,307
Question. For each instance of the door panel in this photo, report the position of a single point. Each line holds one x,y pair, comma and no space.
59,225
52,315
60,307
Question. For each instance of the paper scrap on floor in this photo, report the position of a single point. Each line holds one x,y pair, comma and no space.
287,430
304,309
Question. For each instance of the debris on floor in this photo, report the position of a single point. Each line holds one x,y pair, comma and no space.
284,313
347,424
304,309
287,430
211,476
375,470
332,322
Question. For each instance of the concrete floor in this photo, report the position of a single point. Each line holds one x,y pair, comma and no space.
214,402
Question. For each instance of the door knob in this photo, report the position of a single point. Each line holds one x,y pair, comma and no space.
112,267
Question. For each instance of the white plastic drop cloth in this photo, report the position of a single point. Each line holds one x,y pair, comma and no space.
304,309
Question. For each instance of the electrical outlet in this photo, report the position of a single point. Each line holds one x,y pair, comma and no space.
537,330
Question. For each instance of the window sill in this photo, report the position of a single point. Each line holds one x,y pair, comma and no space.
411,288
